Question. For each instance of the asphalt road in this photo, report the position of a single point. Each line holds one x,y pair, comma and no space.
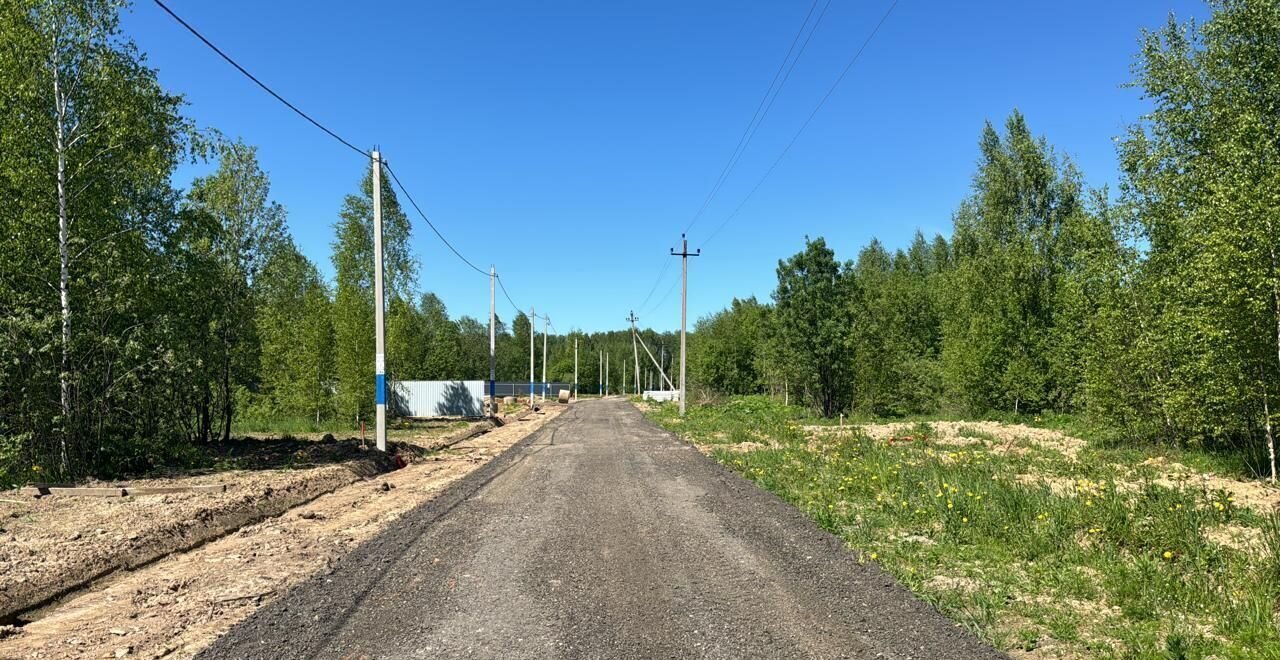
601,536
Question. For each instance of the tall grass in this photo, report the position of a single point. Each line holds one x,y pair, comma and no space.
1067,553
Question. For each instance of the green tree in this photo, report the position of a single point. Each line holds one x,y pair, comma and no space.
814,323
295,323
353,297
1200,170
88,140
999,325
723,348
251,231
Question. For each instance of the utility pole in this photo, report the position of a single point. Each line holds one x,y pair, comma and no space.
379,347
606,373
532,316
624,376
575,368
546,320
684,255
600,383
635,351
493,342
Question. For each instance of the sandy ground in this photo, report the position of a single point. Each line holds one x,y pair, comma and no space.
997,436
59,542
179,604
961,434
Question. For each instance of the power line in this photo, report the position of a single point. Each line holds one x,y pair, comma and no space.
518,308
322,127
261,84
339,138
430,224
762,110
765,104
666,263
771,93
805,125
666,295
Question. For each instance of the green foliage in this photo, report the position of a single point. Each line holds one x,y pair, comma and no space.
353,298
1203,309
1011,257
1099,565
814,324
723,349
82,380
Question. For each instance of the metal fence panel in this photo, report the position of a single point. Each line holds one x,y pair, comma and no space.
438,398
518,388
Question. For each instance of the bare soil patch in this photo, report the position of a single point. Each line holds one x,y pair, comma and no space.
57,543
966,433
177,605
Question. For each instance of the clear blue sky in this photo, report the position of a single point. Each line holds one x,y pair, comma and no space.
570,142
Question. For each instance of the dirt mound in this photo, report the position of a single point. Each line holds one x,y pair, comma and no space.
177,605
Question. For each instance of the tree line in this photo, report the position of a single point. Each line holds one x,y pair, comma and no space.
1154,312
139,320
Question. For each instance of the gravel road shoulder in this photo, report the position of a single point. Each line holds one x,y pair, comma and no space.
179,604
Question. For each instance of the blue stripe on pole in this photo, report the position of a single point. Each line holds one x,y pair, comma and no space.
380,397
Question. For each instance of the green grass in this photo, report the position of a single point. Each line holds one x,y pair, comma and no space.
1110,565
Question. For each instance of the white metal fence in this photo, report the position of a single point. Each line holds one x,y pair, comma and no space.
521,388
437,398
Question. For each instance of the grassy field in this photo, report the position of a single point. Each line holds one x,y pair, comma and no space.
1044,544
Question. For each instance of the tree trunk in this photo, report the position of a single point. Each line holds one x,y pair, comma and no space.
205,413
226,399
1271,440
1275,313
64,260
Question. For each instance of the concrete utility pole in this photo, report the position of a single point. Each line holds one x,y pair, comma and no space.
379,347
624,376
575,368
635,352
600,383
606,373
546,320
493,342
532,315
684,255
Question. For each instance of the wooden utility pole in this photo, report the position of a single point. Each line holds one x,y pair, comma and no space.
684,255
493,342
379,348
